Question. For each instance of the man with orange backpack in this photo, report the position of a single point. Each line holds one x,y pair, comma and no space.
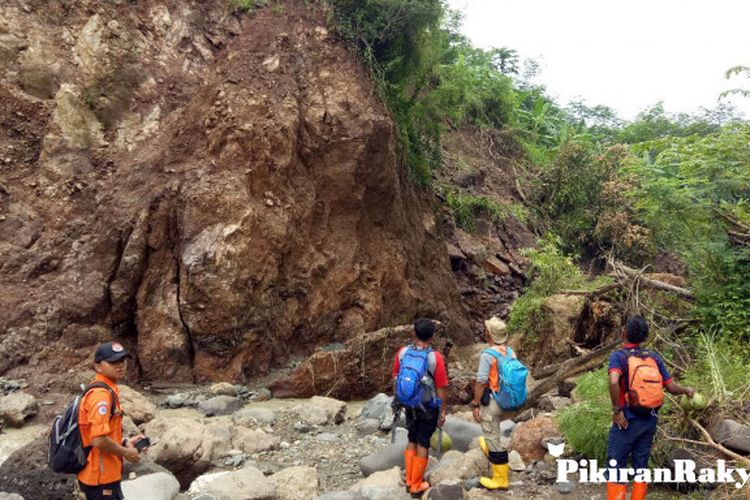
637,379
500,387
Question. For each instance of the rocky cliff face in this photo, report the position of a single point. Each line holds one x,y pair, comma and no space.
218,191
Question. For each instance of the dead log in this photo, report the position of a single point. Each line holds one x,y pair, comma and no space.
593,293
651,283
567,369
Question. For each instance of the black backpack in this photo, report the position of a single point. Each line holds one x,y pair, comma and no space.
66,452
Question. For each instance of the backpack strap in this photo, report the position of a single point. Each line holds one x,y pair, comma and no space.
102,385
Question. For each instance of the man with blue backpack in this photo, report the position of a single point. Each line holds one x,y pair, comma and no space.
500,387
420,383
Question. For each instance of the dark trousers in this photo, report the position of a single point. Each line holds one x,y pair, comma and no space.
109,491
634,442
421,425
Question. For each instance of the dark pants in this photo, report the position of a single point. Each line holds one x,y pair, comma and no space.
109,491
634,442
421,425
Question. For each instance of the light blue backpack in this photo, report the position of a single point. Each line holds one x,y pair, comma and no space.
512,392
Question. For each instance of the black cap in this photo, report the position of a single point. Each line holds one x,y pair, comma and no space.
110,352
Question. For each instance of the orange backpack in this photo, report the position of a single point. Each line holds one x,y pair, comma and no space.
645,390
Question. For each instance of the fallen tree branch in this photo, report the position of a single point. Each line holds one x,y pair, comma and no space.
652,283
593,293
557,373
718,446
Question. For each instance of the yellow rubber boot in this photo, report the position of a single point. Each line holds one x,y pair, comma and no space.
483,445
500,479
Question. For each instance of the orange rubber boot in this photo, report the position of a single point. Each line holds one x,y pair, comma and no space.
409,465
616,491
639,491
418,484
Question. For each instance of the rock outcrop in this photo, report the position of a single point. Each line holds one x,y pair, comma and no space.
218,191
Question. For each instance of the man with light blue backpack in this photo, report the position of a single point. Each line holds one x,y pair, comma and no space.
500,387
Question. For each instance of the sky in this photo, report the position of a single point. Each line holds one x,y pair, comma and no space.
626,55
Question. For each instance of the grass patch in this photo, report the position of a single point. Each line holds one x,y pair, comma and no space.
586,424
466,208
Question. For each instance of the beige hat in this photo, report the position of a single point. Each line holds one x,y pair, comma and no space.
498,330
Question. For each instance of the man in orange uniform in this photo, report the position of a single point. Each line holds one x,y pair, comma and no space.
100,421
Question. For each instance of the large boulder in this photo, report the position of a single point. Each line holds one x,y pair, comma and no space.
471,464
461,432
382,485
447,490
253,417
189,447
731,434
357,368
247,483
387,457
157,486
136,405
220,405
17,407
561,313
296,483
528,436
26,473
321,411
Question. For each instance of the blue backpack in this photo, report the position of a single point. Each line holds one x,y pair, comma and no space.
412,390
512,392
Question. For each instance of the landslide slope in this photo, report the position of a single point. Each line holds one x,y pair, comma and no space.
218,191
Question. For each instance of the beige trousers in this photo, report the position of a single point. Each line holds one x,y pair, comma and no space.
492,415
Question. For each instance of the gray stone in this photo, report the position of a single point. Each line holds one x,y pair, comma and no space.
367,426
378,407
472,483
16,407
328,437
341,495
220,405
473,463
262,394
382,485
175,400
506,427
565,487
461,432
249,416
515,461
527,415
449,490
320,410
10,496
731,434
385,458
565,388
553,403
222,389
248,483
158,486
296,483
136,405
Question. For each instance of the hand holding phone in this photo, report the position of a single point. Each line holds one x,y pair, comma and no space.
142,444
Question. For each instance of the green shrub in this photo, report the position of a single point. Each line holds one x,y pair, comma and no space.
246,5
719,370
467,207
586,424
